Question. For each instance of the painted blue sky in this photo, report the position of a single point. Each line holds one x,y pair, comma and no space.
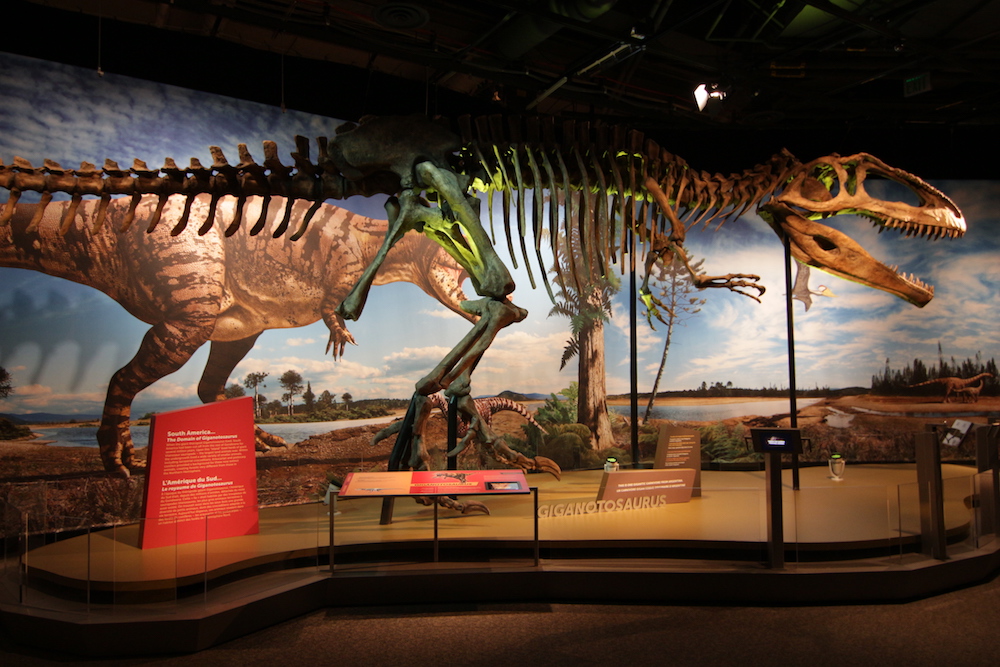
62,341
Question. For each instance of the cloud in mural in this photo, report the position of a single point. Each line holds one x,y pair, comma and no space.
41,398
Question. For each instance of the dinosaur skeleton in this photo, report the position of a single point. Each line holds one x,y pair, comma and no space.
486,408
623,193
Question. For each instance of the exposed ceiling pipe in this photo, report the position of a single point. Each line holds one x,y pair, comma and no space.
529,30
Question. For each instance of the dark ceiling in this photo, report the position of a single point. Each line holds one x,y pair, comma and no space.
916,82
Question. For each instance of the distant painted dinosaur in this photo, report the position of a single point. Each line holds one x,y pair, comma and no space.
197,289
623,194
969,394
953,385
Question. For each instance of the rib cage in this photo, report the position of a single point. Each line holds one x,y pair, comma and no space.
598,172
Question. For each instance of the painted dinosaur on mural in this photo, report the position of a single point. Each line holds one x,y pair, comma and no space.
954,386
620,195
969,394
196,289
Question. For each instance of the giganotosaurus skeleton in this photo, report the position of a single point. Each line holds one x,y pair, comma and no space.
616,188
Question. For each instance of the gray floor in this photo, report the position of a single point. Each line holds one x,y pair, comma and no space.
956,629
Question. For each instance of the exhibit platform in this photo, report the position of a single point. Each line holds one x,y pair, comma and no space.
845,541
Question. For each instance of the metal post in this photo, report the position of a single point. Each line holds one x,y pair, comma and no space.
534,493
775,518
790,324
436,532
333,513
452,431
633,353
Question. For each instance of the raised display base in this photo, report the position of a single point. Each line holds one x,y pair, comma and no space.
851,538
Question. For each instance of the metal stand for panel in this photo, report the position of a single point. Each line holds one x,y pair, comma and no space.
775,519
436,541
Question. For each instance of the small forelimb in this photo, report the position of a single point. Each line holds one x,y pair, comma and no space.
735,282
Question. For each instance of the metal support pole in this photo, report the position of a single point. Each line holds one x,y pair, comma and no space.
775,518
452,431
534,493
790,323
633,354
436,549
333,513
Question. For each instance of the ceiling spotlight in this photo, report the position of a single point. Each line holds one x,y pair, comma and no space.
708,91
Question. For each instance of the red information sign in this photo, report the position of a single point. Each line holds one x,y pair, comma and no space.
434,483
201,479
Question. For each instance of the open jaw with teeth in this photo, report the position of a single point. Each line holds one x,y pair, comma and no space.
834,185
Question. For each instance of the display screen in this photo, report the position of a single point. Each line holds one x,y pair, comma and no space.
503,486
779,440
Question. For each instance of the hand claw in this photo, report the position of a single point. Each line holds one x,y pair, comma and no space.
338,341
543,464
474,506
538,464
735,282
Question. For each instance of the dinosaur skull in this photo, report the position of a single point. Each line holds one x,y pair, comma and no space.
834,185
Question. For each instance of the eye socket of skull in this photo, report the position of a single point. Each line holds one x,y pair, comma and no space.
814,189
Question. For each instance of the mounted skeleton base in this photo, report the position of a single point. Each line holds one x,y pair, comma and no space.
609,188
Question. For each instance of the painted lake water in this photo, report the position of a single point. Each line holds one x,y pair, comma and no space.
716,411
86,436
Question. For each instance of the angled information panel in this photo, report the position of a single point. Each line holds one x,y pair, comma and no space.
201,481
433,483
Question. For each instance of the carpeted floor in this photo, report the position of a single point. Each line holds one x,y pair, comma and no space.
958,629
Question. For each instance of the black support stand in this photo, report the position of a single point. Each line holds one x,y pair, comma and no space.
775,518
790,324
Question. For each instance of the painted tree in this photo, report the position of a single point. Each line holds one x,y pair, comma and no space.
309,398
347,398
255,381
291,382
326,400
586,301
673,283
6,384
234,390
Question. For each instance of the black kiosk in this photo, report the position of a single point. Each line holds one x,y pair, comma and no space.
773,442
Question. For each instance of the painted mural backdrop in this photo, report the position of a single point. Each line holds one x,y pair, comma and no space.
62,342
